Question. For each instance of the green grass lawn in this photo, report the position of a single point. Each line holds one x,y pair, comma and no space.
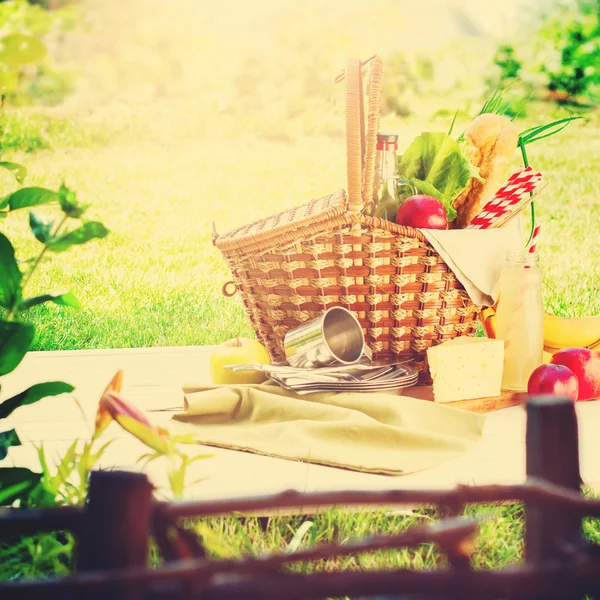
156,280
499,542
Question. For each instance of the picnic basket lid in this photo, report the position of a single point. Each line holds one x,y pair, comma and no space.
338,208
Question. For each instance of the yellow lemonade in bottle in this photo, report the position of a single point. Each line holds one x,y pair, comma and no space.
520,318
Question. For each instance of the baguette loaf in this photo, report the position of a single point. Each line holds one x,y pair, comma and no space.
491,143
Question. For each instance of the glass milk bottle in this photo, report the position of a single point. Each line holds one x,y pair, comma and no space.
520,318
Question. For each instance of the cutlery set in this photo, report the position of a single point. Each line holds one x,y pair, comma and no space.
343,378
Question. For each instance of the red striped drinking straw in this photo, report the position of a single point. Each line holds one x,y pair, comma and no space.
533,242
519,185
534,238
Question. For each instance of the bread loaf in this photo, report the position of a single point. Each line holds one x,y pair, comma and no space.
491,141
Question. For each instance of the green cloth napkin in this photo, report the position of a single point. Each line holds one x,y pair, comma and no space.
373,433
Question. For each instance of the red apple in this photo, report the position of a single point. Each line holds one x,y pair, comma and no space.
423,212
585,364
556,380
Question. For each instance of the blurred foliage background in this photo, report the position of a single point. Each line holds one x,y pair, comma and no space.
38,75
266,67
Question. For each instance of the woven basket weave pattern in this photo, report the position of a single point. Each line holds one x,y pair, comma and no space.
403,293
294,265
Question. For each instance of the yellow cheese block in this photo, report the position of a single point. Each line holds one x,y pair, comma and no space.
465,368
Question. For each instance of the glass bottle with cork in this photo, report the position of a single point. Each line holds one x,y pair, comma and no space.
520,318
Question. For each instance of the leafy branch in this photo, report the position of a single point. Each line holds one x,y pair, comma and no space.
16,336
53,237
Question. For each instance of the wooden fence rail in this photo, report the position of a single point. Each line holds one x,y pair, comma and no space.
114,529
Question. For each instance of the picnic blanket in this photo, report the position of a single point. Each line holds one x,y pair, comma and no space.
372,433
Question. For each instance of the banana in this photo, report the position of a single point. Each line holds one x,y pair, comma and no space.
561,332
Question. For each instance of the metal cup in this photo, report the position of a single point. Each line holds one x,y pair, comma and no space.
335,337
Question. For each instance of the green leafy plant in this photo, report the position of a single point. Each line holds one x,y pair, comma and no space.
569,48
498,104
67,482
113,406
49,554
16,334
506,59
177,462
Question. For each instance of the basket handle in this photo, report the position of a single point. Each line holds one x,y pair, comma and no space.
361,148
373,116
354,143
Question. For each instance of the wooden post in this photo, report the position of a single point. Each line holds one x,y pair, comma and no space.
116,527
553,455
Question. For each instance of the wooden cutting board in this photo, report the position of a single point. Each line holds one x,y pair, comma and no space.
478,405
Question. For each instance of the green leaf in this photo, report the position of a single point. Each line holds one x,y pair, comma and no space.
94,457
200,457
437,167
496,104
19,171
4,201
7,439
21,49
16,483
31,196
34,394
14,492
40,228
425,187
67,463
64,299
88,231
68,203
10,275
42,458
453,122
15,340
184,438
535,133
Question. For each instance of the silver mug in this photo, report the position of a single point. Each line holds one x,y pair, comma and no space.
336,337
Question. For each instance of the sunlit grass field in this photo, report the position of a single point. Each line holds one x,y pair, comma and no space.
156,279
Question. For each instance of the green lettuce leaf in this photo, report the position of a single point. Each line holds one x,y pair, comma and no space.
436,166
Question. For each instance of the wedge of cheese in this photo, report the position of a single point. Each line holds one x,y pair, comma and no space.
465,368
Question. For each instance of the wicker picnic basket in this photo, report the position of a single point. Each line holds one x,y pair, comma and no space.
292,266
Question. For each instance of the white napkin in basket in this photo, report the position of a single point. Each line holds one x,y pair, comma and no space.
477,255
